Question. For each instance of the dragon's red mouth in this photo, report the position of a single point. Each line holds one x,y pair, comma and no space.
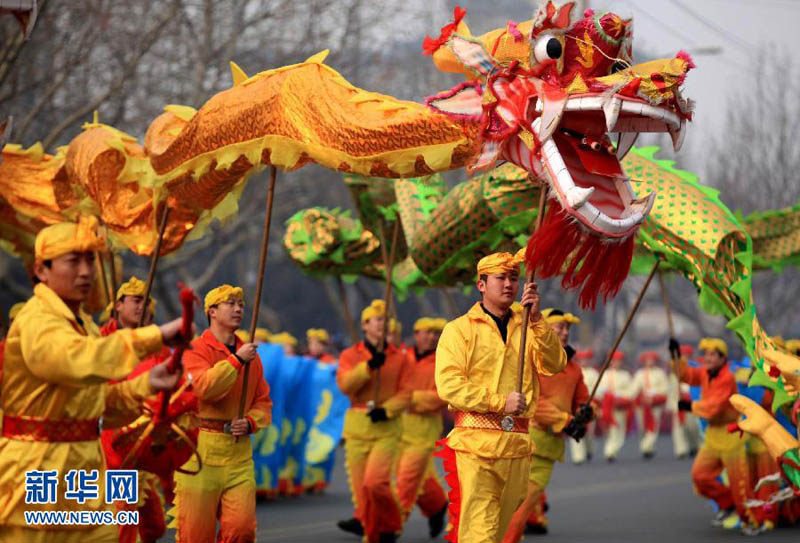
583,168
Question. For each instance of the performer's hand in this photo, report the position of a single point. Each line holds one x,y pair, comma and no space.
684,405
515,403
247,352
530,296
585,414
171,332
674,348
240,427
575,430
378,414
377,360
162,379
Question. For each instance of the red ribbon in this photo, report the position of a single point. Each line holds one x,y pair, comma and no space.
175,364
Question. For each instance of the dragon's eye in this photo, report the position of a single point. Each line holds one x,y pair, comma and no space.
547,47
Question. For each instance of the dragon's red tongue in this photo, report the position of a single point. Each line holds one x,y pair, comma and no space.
596,162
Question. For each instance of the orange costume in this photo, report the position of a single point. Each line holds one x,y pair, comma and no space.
560,396
721,450
371,447
225,488
422,427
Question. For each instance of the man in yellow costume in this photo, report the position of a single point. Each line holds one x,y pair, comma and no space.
55,390
417,482
225,488
486,460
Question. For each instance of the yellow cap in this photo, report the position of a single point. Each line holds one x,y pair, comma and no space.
424,323
559,316
395,327
375,309
439,324
497,263
222,294
67,237
133,287
283,338
319,334
793,345
14,311
713,344
263,335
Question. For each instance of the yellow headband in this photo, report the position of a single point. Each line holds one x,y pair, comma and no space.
14,311
263,335
222,294
395,327
284,338
439,324
713,344
425,324
67,237
375,309
498,263
134,287
793,345
569,318
319,334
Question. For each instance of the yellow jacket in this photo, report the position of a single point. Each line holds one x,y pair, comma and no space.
56,368
475,371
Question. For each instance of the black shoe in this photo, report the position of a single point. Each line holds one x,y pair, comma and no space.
535,529
589,457
436,522
611,459
388,538
352,526
546,507
648,455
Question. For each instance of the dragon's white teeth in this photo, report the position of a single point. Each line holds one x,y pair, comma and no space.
643,205
611,109
552,111
678,135
578,196
626,141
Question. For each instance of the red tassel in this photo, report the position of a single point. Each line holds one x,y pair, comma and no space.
561,247
774,372
734,427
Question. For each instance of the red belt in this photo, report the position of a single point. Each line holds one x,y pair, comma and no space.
58,431
489,421
215,425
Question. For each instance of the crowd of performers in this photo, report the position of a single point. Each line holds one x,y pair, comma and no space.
74,397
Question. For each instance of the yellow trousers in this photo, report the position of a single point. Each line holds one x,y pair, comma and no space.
490,490
224,493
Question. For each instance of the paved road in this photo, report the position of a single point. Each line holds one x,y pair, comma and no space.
631,500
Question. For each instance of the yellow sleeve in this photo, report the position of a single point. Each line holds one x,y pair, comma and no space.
260,412
546,349
123,400
451,376
54,352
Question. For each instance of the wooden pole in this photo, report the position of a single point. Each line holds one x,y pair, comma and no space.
102,261
665,299
526,311
624,329
154,262
348,317
388,262
262,264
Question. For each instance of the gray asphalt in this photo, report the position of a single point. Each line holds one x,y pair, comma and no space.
630,500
